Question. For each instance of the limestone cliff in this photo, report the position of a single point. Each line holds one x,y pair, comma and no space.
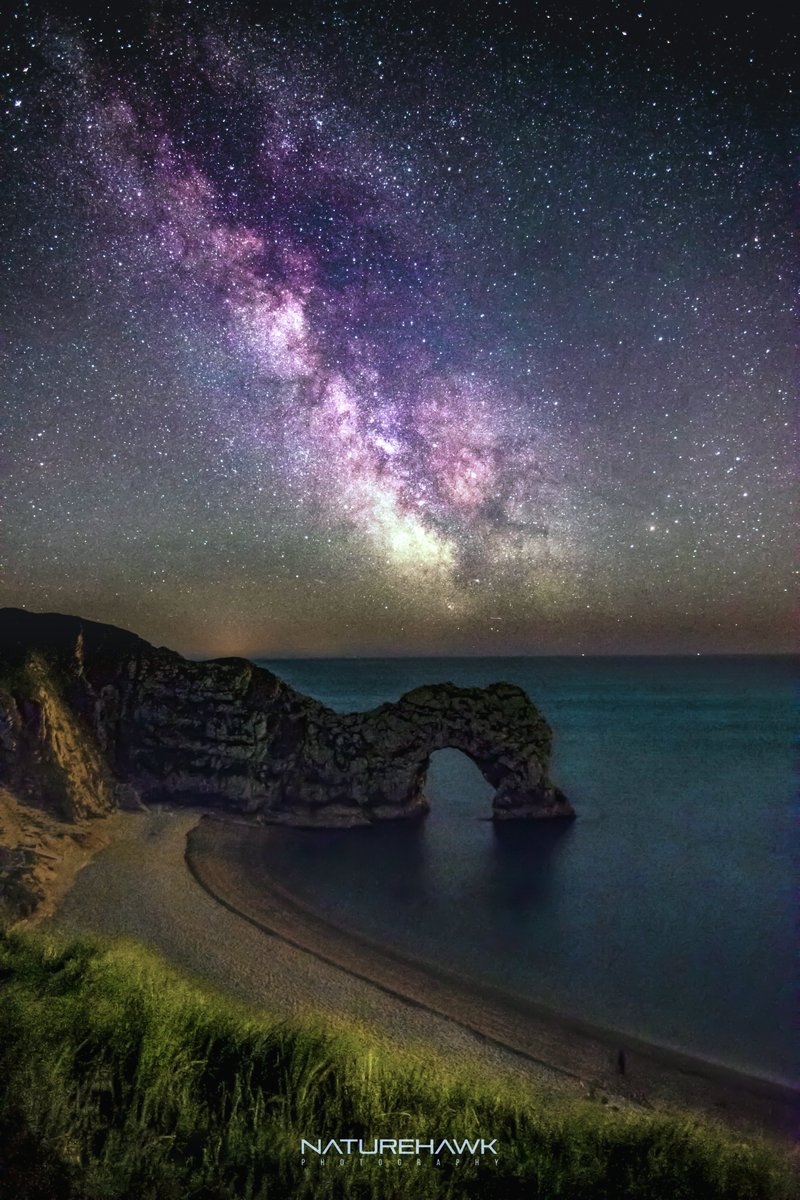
91,715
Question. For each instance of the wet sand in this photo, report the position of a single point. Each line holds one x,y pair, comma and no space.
223,921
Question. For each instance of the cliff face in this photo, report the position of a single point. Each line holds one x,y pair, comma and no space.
91,716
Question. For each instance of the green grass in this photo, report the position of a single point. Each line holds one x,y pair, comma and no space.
120,1078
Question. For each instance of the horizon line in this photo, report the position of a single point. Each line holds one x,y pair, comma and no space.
541,654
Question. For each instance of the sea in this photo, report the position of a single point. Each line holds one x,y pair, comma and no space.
667,910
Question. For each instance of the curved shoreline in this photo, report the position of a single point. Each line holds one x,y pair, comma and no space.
225,863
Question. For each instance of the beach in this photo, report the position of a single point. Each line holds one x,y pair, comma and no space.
191,886
140,887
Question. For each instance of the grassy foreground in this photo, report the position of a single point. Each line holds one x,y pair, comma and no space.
119,1078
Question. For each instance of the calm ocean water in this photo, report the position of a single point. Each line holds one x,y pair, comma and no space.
665,910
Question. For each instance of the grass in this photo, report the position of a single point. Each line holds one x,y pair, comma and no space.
121,1079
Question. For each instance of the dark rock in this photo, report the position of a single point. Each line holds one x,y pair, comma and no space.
91,715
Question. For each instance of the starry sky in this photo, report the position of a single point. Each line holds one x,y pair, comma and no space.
360,330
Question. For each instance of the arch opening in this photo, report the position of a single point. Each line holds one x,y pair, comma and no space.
455,782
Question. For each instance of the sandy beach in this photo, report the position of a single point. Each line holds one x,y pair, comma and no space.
192,887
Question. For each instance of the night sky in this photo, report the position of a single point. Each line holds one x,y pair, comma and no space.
377,331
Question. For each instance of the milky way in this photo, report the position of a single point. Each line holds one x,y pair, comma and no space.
344,336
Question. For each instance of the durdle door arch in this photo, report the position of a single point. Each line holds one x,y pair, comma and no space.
93,715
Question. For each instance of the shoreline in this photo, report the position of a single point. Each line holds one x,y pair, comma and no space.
226,865
188,883
139,887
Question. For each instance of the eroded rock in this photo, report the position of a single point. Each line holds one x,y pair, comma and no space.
89,713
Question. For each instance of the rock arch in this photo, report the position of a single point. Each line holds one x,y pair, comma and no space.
384,754
151,723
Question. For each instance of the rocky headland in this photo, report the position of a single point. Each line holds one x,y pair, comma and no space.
93,718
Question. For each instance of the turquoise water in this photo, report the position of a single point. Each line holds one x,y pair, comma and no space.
666,910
